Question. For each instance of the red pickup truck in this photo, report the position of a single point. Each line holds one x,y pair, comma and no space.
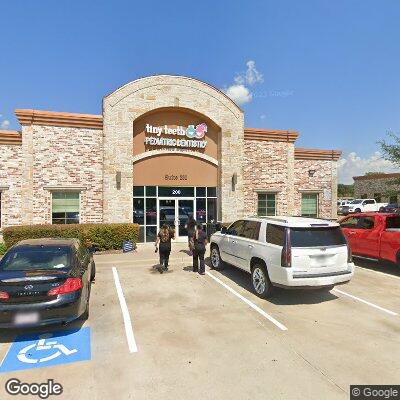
373,235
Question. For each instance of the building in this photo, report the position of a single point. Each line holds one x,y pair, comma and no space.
383,188
164,147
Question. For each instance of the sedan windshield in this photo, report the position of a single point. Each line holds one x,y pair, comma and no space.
36,257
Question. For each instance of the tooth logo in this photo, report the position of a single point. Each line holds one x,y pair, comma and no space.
190,132
201,130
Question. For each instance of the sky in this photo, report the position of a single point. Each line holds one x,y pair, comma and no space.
327,69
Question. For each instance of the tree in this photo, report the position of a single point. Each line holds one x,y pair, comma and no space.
345,190
391,151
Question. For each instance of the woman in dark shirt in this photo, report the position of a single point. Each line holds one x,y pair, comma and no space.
199,241
163,243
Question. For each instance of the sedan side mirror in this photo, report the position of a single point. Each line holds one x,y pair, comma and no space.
224,230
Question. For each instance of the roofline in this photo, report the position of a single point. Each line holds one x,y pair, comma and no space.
316,154
176,76
8,137
56,118
377,176
276,135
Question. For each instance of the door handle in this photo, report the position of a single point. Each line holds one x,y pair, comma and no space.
233,241
250,246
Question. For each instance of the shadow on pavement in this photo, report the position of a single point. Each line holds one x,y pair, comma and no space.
280,296
381,266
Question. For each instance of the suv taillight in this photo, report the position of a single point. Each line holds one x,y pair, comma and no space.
70,285
286,255
4,296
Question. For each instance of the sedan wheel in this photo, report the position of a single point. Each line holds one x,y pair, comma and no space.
261,283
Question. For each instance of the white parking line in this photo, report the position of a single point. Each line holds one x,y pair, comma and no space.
249,303
125,313
366,302
379,272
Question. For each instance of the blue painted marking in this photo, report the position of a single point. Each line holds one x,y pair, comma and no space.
48,349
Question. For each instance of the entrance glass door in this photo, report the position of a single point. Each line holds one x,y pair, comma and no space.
186,210
175,213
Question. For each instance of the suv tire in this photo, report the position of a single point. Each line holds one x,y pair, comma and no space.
215,257
262,285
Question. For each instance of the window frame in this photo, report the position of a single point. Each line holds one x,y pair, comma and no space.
266,194
317,195
65,219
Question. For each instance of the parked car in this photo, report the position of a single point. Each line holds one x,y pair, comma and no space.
341,204
362,205
390,208
373,235
45,281
289,252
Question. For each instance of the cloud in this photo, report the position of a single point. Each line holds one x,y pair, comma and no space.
239,91
354,165
5,124
240,94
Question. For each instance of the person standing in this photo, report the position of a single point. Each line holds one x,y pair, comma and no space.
199,240
190,227
163,244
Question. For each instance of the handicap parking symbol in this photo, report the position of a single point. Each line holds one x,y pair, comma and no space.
48,349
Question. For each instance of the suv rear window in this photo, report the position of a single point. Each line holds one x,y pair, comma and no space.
317,237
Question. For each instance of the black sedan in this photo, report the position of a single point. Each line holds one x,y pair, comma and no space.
390,208
45,281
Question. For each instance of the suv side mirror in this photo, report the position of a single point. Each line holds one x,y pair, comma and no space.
224,230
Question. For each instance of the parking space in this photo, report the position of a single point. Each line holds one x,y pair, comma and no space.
180,335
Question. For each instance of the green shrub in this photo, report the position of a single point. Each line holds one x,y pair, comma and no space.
3,248
100,236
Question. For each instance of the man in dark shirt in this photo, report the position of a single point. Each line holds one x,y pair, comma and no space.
199,240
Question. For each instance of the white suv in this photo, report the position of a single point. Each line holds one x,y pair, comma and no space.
290,252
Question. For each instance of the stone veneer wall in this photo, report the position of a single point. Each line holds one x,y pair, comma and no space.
61,157
122,107
10,184
386,186
268,168
323,182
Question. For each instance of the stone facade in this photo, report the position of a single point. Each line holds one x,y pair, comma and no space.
62,158
10,184
323,182
383,187
268,169
122,107
94,154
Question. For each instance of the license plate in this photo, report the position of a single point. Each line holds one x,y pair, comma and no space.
26,318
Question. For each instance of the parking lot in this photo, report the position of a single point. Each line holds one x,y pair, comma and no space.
180,335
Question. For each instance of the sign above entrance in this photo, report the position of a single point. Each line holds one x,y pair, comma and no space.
194,133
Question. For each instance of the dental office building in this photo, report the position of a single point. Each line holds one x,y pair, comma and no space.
164,148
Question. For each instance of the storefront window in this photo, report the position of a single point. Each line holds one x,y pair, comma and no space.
211,210
266,205
138,211
309,205
151,211
147,206
201,192
201,215
65,208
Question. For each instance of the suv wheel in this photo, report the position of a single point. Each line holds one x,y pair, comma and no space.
216,261
261,282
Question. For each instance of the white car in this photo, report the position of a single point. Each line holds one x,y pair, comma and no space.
362,205
289,252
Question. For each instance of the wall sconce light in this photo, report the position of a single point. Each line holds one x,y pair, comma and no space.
234,181
118,179
311,172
